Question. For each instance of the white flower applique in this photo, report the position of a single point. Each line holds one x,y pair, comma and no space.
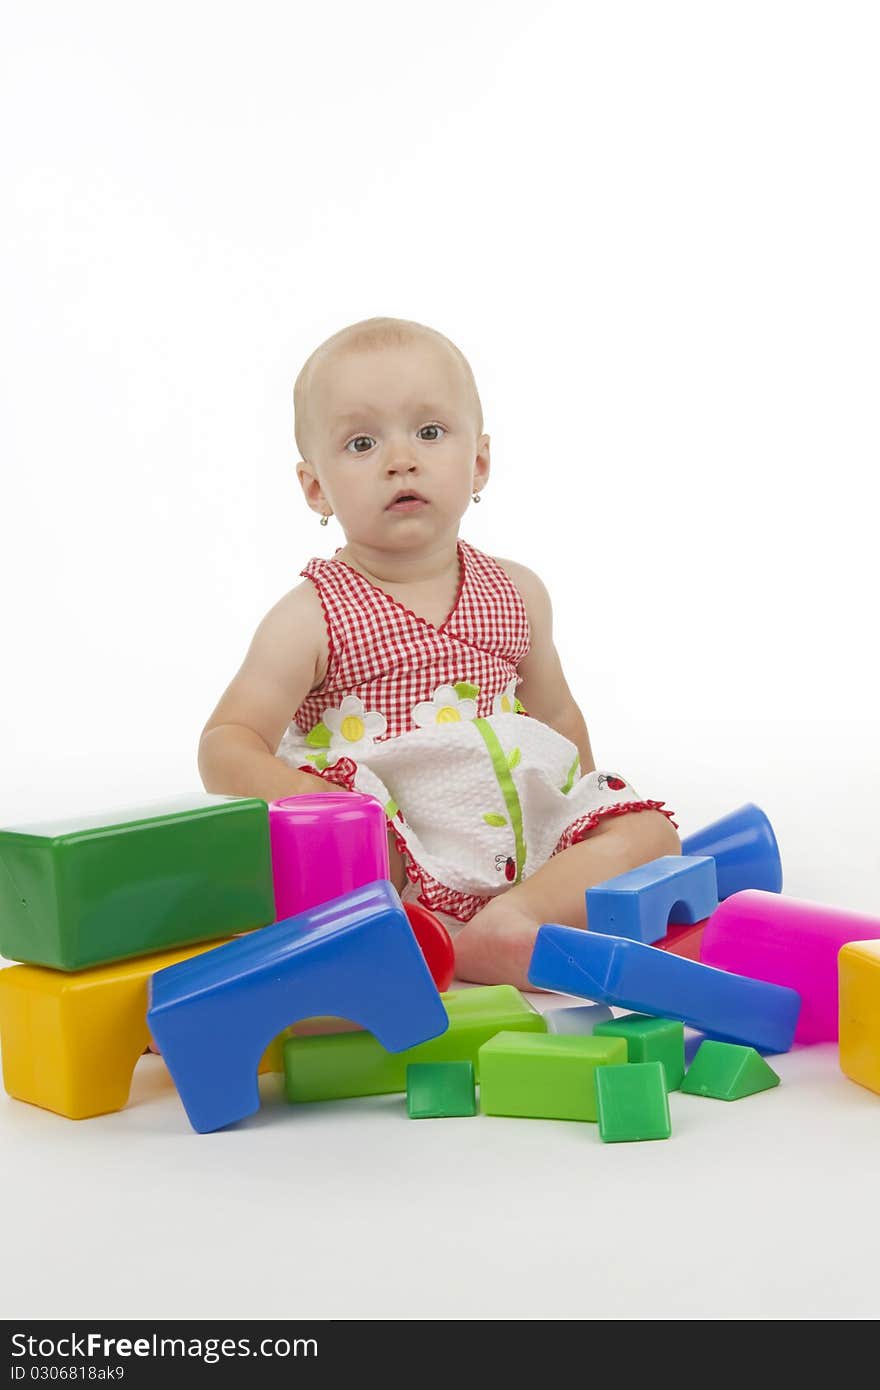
448,705
506,702
349,731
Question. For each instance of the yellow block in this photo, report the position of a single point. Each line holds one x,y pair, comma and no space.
71,1040
859,970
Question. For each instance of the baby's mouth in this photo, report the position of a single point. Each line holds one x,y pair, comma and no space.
407,502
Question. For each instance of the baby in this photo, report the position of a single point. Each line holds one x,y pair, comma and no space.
418,669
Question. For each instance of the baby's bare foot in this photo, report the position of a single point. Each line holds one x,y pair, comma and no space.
495,947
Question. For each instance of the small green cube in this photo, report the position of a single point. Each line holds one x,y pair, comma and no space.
440,1090
650,1040
726,1071
632,1102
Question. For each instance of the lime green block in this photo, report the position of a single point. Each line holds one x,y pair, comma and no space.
650,1040
726,1071
632,1102
544,1077
440,1090
339,1065
97,889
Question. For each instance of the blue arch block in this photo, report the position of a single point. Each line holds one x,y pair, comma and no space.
354,957
632,975
638,904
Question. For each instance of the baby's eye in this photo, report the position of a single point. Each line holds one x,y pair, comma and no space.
437,431
361,444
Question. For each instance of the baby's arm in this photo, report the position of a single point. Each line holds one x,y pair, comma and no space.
238,743
544,690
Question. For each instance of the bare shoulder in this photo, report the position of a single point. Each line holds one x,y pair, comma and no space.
532,588
297,622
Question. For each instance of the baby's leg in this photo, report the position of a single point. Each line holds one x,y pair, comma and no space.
397,870
495,947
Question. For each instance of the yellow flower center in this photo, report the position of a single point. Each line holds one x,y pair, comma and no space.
352,728
447,715
506,706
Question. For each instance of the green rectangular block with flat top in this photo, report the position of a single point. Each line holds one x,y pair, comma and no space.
95,889
337,1066
550,1077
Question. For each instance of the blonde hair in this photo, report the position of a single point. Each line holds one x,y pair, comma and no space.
373,333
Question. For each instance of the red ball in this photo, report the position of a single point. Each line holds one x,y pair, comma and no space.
435,943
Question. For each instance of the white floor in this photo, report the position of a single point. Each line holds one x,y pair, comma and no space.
765,1208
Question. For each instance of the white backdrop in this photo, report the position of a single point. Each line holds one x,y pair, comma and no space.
653,230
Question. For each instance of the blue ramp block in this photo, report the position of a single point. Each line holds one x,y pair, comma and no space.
640,904
744,848
354,957
729,1007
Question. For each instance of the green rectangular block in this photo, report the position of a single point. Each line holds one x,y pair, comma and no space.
650,1039
549,1077
91,890
338,1066
633,1102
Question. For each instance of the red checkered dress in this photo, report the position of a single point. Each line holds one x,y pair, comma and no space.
391,659
394,663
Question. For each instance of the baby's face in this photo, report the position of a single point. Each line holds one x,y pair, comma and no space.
391,420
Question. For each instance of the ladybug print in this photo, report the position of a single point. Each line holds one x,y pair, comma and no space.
614,784
508,864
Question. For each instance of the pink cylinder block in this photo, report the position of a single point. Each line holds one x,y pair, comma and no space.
787,942
324,844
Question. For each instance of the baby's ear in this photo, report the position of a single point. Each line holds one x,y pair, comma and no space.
308,481
481,462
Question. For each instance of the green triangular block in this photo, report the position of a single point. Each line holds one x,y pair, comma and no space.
726,1071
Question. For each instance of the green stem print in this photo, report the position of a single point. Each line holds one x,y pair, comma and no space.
508,791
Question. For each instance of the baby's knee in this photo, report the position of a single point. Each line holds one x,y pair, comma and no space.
639,837
652,835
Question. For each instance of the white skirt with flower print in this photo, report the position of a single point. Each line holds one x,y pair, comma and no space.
476,804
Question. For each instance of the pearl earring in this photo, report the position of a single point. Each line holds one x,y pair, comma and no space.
476,497
326,518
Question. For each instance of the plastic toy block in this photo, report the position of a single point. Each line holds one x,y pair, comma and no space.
110,887
354,957
639,977
744,848
440,1090
579,1018
325,844
632,1102
788,942
541,1076
860,1013
650,1040
71,1040
685,940
641,903
341,1065
726,1072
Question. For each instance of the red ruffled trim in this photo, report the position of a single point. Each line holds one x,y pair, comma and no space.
574,833
342,772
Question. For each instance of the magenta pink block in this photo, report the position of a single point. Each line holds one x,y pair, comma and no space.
325,844
787,942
